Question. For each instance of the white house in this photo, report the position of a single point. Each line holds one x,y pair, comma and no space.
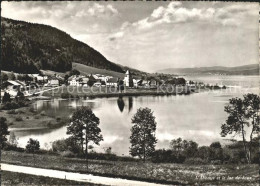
14,86
53,81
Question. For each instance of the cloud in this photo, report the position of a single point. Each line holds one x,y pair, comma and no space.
176,13
154,36
73,17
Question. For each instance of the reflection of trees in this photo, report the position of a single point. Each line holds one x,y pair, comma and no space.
120,103
130,103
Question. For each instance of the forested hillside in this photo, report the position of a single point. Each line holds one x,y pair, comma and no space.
28,47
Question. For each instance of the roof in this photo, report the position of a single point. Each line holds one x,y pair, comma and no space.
112,80
13,82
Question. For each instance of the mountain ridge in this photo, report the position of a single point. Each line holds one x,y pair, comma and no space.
29,47
250,69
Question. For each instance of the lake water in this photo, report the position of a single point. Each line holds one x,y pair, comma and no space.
195,117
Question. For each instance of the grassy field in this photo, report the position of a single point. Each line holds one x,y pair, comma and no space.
26,117
13,178
86,70
160,173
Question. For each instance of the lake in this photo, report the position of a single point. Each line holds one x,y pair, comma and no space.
197,116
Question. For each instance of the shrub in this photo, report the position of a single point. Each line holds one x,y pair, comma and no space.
42,113
6,98
31,109
163,156
10,106
195,161
68,144
32,146
12,147
68,154
18,118
11,111
66,95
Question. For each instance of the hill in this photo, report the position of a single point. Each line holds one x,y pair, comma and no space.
29,47
252,69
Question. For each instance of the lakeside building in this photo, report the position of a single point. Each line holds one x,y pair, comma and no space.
78,81
112,82
128,80
53,81
13,87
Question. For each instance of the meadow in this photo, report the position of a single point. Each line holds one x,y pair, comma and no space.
166,173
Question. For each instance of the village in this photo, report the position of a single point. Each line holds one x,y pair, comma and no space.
33,84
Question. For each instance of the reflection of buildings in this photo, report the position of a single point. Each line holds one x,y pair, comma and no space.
120,103
130,103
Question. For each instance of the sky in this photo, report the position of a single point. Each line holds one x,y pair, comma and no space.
151,36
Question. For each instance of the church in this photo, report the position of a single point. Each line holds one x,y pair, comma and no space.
128,80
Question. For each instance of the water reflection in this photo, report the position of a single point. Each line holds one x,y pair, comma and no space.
120,103
130,103
195,117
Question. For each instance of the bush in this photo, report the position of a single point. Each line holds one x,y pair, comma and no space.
18,118
195,161
42,113
6,98
10,106
163,156
102,156
31,109
11,112
12,147
66,96
67,154
32,146
68,144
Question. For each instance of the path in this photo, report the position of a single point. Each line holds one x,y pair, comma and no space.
89,178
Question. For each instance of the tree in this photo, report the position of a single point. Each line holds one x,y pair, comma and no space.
13,139
4,77
12,76
32,146
142,137
184,147
6,97
242,114
74,72
3,131
84,128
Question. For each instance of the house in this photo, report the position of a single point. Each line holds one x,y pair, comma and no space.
74,82
128,80
78,80
97,83
38,77
153,83
53,81
112,82
13,87
145,83
137,82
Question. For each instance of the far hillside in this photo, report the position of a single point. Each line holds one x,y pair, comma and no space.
29,47
252,69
